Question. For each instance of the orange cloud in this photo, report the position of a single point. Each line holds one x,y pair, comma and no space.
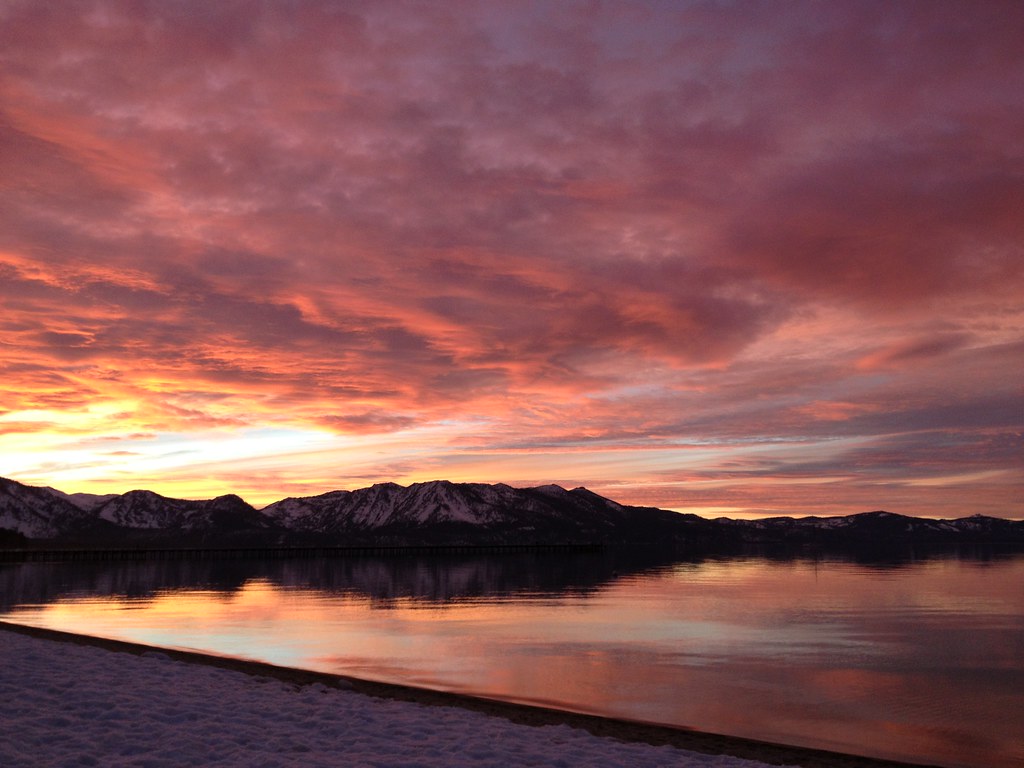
519,237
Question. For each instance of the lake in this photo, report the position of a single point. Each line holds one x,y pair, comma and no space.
918,659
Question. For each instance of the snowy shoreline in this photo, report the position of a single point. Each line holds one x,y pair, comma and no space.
74,700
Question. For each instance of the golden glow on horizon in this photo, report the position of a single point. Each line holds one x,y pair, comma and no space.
259,466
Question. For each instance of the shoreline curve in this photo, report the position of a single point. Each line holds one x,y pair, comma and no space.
523,714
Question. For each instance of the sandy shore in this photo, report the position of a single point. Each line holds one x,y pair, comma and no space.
521,730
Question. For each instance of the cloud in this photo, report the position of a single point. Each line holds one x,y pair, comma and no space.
572,226
913,351
369,422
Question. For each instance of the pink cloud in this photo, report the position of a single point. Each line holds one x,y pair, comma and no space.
582,225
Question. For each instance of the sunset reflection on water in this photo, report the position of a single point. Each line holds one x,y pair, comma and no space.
921,662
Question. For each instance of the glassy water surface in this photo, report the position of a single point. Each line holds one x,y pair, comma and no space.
920,661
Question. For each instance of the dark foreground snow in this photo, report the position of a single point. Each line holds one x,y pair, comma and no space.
71,705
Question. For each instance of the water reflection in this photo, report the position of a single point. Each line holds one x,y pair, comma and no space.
921,661
431,580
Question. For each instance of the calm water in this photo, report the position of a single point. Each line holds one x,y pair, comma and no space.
920,661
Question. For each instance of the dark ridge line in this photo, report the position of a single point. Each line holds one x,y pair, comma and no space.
522,713
69,554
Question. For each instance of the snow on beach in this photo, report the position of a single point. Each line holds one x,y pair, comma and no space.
74,705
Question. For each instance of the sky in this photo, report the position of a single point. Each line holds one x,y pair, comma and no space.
740,258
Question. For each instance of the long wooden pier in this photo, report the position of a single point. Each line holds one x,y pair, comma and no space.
271,552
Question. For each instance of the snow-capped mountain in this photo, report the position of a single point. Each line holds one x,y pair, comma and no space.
422,504
38,513
442,512
874,527
46,513
433,512
86,501
463,511
151,511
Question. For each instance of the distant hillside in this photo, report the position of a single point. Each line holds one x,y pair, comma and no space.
439,512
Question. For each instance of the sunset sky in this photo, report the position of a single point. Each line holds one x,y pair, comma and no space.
737,258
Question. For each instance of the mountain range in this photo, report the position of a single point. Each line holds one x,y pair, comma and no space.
437,513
